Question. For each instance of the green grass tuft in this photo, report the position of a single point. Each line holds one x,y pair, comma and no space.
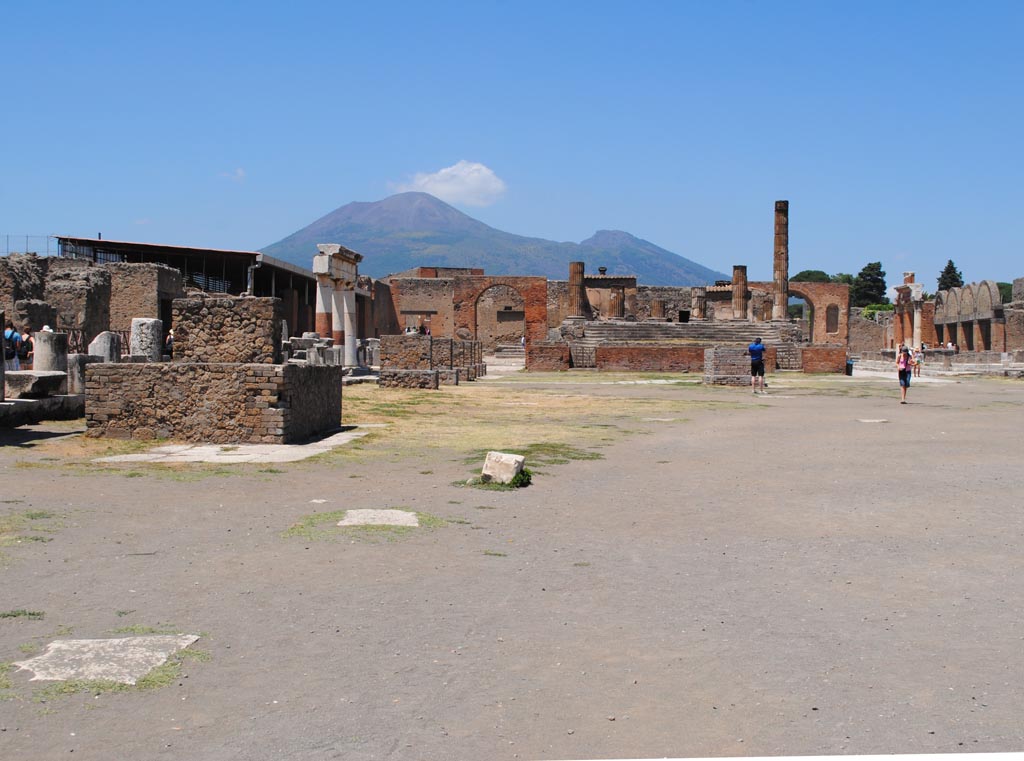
32,615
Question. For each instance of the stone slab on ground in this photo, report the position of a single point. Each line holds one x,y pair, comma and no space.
379,518
502,467
242,453
124,660
35,384
17,412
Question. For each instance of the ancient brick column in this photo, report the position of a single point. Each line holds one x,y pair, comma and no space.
324,294
577,291
739,292
699,302
658,309
617,303
780,273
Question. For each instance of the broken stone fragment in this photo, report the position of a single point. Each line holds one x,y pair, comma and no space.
501,467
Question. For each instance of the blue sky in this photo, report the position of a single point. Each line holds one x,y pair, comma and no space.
894,129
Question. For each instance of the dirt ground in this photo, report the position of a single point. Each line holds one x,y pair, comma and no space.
725,575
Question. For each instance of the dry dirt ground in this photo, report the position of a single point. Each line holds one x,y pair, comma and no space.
725,575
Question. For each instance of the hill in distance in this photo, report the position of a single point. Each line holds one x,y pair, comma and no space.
418,230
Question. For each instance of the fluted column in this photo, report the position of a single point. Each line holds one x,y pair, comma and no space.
577,291
699,302
780,274
739,292
617,303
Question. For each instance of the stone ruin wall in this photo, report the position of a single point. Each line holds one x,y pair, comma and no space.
500,317
677,299
137,289
409,297
545,357
211,329
216,403
415,361
865,334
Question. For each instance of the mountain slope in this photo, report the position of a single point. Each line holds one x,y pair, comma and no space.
418,230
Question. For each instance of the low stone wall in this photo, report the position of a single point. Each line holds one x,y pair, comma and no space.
542,357
409,379
676,359
727,366
823,359
242,330
458,359
220,403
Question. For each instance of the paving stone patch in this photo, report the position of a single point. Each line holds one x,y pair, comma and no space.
872,420
242,453
379,518
123,660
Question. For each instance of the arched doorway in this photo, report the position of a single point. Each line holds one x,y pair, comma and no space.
500,317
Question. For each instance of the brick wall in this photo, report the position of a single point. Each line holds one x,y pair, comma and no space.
80,293
412,301
217,403
544,357
676,299
227,330
137,289
727,366
680,359
866,335
824,359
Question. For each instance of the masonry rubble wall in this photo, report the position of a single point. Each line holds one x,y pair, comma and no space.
727,366
245,330
429,379
136,290
425,353
546,357
79,291
865,334
823,359
221,403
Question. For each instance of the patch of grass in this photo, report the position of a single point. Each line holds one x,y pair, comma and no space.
521,479
141,629
31,615
312,526
37,515
58,690
493,554
5,676
11,501
13,527
581,564
542,453
486,507
123,613
64,631
426,472
458,521
29,648
271,470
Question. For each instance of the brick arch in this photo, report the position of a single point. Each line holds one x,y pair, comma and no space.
533,290
967,303
987,299
940,307
821,297
953,305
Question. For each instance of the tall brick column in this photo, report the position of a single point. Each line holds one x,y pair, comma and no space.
780,273
577,291
739,292
699,302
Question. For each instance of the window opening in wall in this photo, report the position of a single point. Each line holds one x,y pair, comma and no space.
832,319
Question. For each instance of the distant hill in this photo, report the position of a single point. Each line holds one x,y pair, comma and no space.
418,230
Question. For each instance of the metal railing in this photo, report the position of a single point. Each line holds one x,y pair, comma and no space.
44,245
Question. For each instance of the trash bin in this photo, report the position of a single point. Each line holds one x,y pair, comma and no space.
849,367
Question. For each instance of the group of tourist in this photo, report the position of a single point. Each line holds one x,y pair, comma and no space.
19,348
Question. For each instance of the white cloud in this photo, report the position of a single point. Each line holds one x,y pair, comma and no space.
238,175
466,182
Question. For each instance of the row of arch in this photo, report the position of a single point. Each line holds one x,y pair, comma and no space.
977,301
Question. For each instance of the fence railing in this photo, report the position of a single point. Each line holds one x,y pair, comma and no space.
44,245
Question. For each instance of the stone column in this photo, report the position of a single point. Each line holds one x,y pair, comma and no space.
348,311
577,291
658,309
780,273
337,313
51,351
617,303
107,345
324,296
147,338
739,292
699,302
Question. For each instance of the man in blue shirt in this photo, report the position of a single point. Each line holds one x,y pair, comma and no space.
756,352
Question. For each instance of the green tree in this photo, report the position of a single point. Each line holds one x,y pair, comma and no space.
869,286
843,278
1005,292
810,276
950,277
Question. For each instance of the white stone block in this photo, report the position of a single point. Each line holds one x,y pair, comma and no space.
502,467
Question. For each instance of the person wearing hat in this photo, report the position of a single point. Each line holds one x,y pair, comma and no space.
756,352
904,367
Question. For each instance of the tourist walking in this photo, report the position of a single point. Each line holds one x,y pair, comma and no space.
756,352
903,368
12,344
918,361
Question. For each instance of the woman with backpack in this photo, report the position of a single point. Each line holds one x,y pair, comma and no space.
904,367
28,348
